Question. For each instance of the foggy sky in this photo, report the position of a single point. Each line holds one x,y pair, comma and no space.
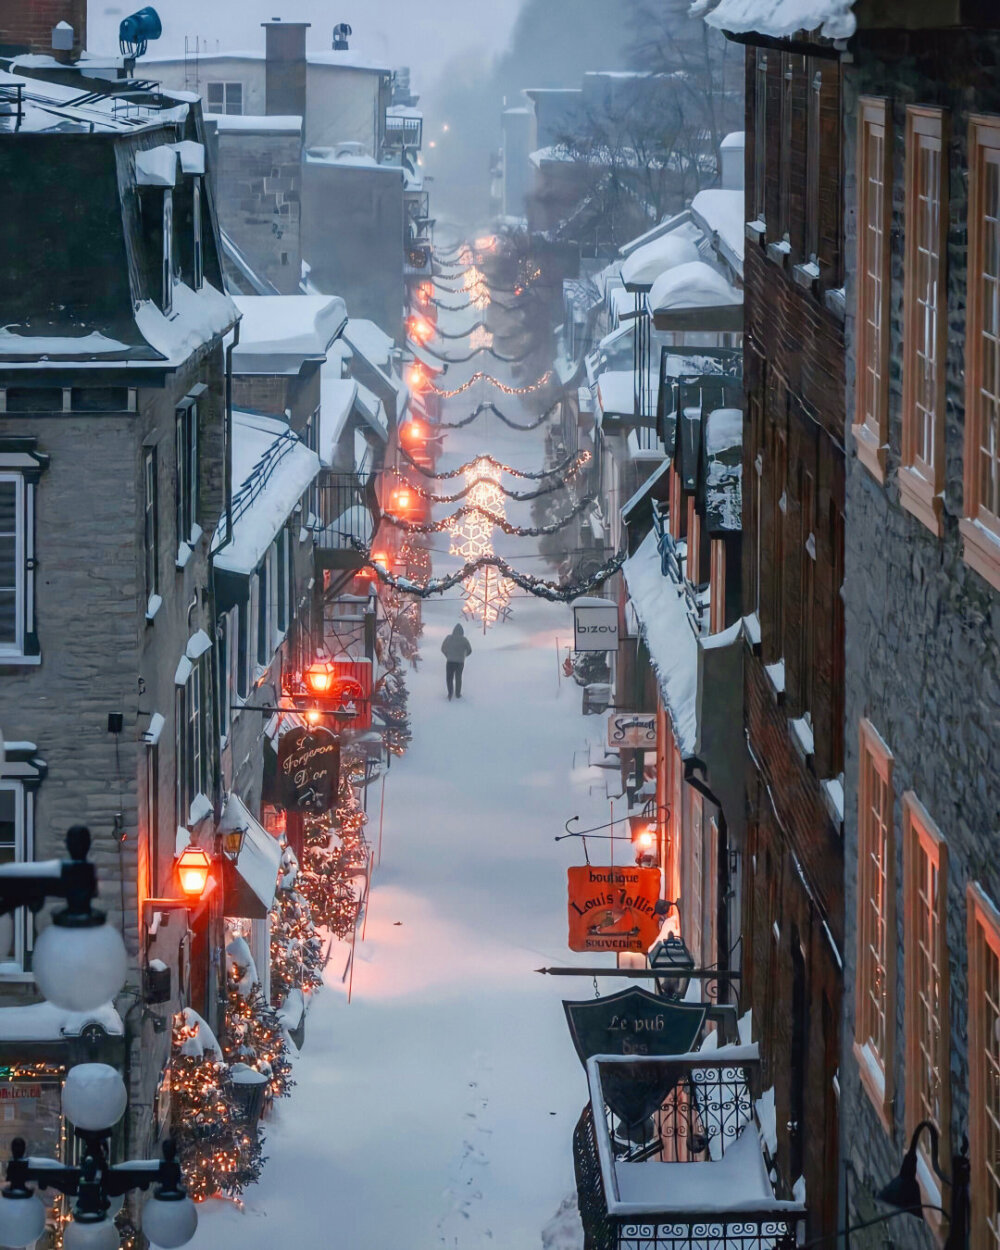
424,35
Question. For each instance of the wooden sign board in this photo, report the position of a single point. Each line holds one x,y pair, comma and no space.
613,909
308,769
633,1022
632,730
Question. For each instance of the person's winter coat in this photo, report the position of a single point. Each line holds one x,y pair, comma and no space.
456,646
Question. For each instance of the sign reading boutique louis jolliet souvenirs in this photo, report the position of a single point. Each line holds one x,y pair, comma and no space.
633,730
633,1022
308,769
595,625
613,909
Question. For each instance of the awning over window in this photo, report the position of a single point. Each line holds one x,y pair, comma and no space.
696,297
250,882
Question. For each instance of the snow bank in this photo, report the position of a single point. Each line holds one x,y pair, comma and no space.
44,1022
197,318
565,1230
93,344
670,639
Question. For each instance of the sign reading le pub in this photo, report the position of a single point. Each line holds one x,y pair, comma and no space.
634,730
595,625
613,909
633,1022
308,769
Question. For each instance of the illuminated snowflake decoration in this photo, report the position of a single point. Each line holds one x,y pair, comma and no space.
486,592
480,339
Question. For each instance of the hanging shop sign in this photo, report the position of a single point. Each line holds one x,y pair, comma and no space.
632,730
595,626
633,1022
308,769
613,909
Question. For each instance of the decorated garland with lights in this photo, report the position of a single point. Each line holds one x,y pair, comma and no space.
567,467
254,1036
335,855
540,587
520,496
494,517
479,376
478,351
218,1153
489,406
296,948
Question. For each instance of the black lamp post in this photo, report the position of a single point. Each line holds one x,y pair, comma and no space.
903,1191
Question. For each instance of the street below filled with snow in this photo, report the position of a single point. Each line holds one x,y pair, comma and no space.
437,1108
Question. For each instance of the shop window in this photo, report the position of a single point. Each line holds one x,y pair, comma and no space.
874,1023
981,525
873,332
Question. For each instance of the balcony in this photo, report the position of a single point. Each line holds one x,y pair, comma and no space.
668,1156
345,507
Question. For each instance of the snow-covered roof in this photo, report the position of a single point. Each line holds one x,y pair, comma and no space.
779,19
370,340
616,393
279,332
337,396
666,628
272,470
349,58
433,364
644,265
52,106
723,213
692,285
44,1022
372,409
255,122
260,856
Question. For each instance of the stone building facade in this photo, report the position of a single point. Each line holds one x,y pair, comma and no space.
923,642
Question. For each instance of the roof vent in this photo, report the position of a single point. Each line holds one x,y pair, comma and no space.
341,33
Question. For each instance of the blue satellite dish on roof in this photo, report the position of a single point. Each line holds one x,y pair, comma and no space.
135,32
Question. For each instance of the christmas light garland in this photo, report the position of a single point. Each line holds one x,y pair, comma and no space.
569,466
519,496
489,406
541,588
479,376
495,517
477,351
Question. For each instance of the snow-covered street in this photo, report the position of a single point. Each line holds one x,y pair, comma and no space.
436,1109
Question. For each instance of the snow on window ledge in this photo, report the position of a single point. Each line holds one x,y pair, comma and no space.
184,554
196,533
802,734
11,971
18,657
755,230
776,676
153,605
833,797
751,628
201,809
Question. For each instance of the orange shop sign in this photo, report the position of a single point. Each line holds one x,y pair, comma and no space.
613,909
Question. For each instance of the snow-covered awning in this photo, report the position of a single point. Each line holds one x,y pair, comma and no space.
431,363
617,399
722,213
279,333
272,470
372,411
250,882
779,19
696,297
337,398
639,506
372,351
644,266
670,640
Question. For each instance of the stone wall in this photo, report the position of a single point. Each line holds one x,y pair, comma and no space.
923,630
258,196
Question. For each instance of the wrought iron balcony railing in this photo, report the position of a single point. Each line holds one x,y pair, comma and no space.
668,1157
343,507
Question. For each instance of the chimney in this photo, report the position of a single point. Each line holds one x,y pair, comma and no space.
285,67
39,26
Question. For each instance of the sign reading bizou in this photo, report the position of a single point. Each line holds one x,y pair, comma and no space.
595,626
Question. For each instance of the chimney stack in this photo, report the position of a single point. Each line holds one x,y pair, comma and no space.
285,68
30,26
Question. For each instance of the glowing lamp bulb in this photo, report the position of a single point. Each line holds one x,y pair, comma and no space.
647,839
193,867
413,431
401,499
425,292
380,557
420,328
313,716
416,377
319,677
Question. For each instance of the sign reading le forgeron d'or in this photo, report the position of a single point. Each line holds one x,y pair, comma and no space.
613,909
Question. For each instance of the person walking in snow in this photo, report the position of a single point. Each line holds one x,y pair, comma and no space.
455,648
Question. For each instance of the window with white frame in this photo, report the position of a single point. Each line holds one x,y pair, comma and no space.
15,837
225,97
20,469
186,429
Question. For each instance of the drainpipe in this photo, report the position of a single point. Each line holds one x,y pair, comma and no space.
722,860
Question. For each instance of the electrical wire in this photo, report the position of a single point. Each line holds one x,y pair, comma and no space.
489,406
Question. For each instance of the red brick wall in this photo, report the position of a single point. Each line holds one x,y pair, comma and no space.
28,24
